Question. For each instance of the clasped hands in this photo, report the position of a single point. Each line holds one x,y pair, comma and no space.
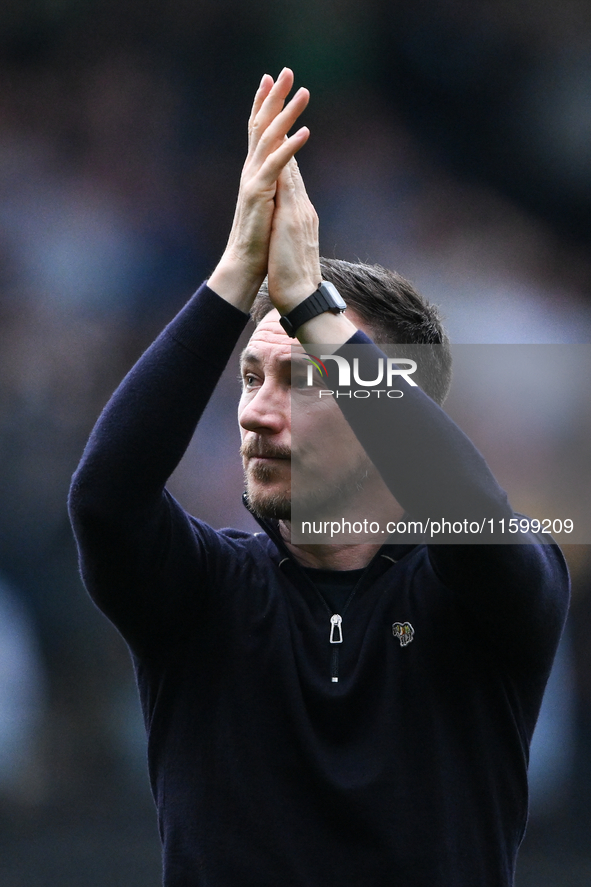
275,227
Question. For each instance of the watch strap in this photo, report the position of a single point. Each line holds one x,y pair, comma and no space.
325,298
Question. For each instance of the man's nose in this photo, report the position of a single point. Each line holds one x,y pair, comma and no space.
268,409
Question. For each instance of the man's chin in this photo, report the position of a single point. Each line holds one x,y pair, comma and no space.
267,504
268,498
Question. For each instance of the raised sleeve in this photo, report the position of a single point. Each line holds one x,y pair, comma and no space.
517,593
125,523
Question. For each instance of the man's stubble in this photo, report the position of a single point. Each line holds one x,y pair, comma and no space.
312,498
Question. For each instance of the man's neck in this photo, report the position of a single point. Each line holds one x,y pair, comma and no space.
329,557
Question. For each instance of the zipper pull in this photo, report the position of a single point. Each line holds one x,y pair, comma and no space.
336,631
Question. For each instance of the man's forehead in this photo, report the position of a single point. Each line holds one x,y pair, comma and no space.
270,341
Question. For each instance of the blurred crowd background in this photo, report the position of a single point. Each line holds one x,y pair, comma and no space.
450,141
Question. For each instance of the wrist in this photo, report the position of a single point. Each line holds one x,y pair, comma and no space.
325,298
334,329
235,282
288,298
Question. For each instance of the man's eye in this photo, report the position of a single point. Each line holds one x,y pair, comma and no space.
248,380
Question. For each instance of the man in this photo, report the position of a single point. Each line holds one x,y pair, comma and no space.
333,714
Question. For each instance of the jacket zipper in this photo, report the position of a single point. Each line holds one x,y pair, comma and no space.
336,637
336,620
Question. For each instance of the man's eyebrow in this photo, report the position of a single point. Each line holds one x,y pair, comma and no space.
248,357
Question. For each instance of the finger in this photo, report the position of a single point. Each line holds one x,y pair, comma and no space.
272,104
297,178
290,182
276,161
291,194
276,97
277,130
261,94
285,193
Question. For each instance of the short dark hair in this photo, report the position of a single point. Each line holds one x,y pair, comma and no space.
394,313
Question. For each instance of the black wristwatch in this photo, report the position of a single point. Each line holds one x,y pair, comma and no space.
325,298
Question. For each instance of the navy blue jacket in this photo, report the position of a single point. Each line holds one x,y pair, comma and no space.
411,769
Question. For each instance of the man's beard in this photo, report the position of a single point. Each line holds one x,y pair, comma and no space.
320,499
262,503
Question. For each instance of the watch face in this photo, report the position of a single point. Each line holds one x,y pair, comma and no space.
330,291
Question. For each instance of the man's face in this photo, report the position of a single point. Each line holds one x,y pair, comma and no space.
328,461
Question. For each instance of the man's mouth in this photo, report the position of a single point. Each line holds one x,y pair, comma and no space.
266,467
268,456
265,454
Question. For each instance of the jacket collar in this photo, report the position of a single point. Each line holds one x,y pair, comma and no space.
383,559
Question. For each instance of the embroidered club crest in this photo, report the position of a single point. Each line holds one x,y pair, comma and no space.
404,632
